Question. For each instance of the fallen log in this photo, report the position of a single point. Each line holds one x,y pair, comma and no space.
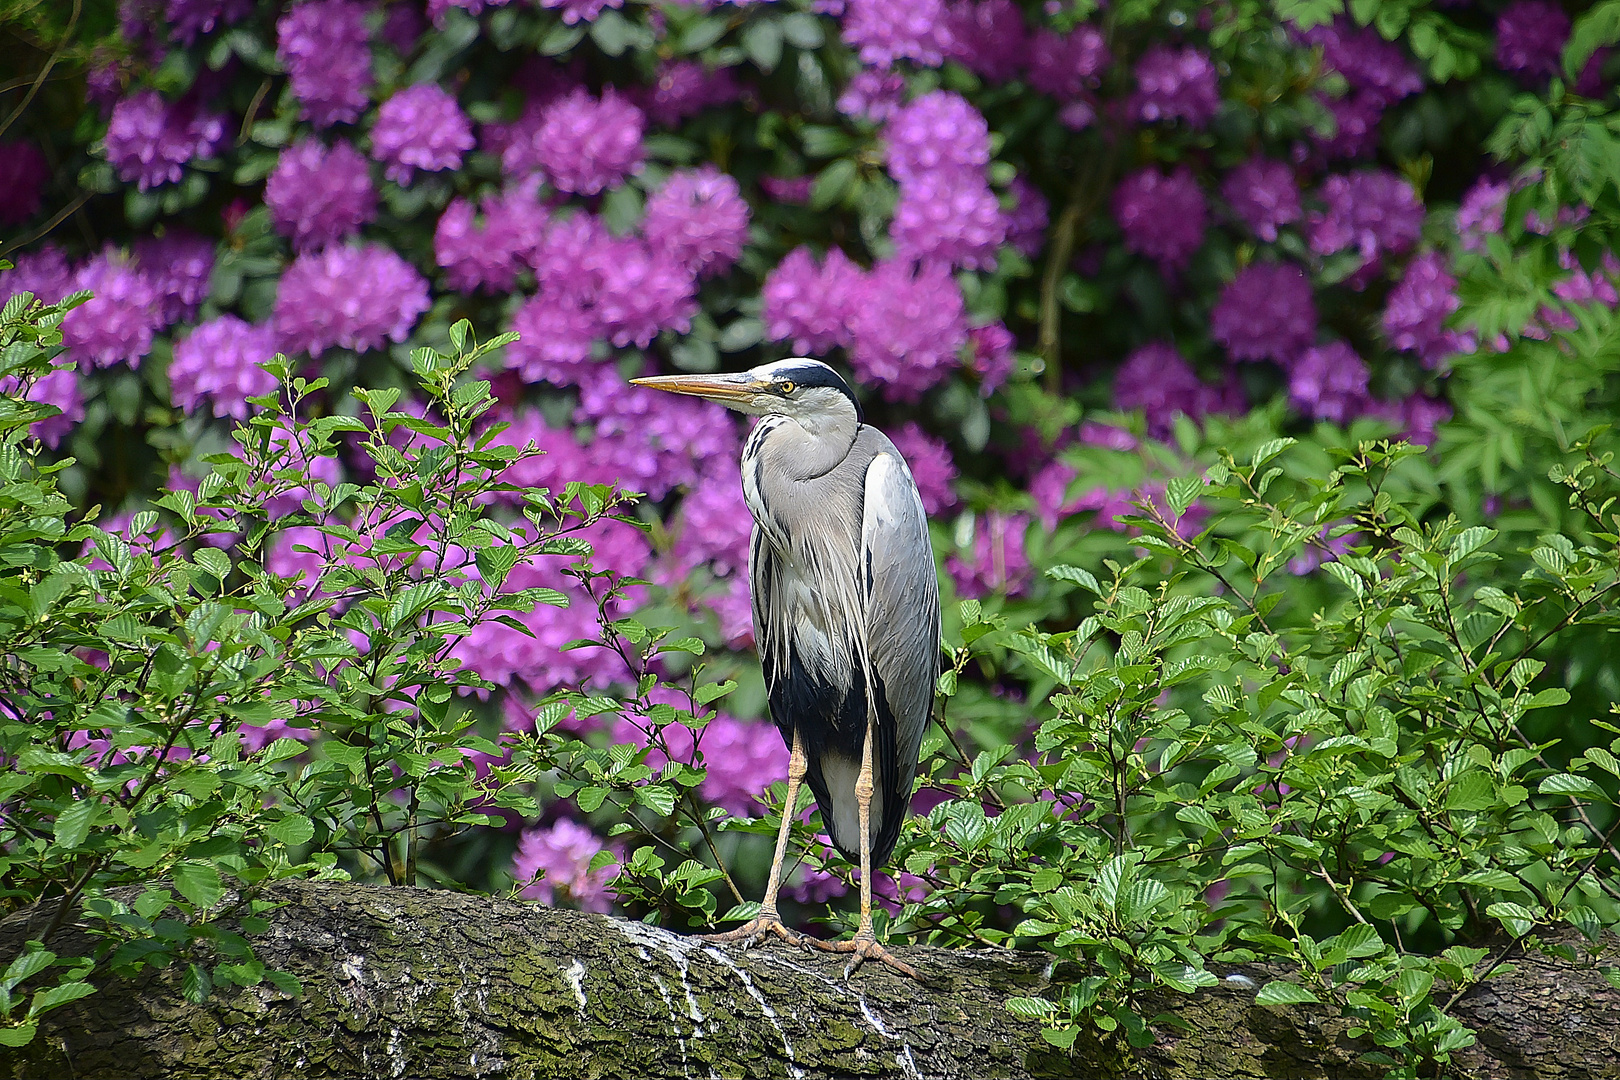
430,984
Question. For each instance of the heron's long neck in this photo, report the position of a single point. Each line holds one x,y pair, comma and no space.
806,452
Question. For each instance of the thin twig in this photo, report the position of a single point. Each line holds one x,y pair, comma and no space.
56,219
39,80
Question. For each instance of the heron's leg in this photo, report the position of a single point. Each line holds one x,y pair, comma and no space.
865,943
769,920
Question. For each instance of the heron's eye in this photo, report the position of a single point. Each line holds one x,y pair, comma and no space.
787,387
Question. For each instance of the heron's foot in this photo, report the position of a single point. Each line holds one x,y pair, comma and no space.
755,930
864,945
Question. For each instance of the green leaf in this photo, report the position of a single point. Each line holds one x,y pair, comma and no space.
762,42
18,1035
57,996
833,184
73,824
1567,784
292,830
1597,27
35,959
197,985
1031,1008
1277,992
1076,575
1181,491
1413,984
1269,450
713,691
199,883
657,796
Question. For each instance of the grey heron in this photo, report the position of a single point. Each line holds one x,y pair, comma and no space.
846,612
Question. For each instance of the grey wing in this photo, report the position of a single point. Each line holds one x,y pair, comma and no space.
903,630
762,573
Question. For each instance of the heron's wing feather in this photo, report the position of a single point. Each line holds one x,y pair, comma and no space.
903,629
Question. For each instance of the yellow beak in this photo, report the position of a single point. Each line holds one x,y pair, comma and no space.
721,388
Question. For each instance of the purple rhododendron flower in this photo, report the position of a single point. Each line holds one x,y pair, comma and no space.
555,343
537,660
301,553
1157,380
742,757
218,364
1415,318
1163,215
1417,418
23,173
1482,213
574,11
1068,65
988,38
698,218
585,144
556,862
354,296
317,195
684,88
1373,211
1584,287
285,451
436,9
59,388
148,139
1266,313
788,189
1264,195
118,324
44,272
939,130
1027,220
1329,382
810,302
1355,128
491,254
568,262
1375,69
991,347
643,292
420,127
713,527
562,458
1377,74
931,466
402,28
997,561
1175,84
654,442
888,30
949,215
178,264
189,18
1530,36
1049,487
326,50
909,326
873,95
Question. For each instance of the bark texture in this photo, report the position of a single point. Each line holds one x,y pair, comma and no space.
424,984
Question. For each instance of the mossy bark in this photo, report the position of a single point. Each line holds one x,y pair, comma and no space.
423,984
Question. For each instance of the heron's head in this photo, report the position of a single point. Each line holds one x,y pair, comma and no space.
805,390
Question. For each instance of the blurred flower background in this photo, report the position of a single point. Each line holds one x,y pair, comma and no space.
1062,248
